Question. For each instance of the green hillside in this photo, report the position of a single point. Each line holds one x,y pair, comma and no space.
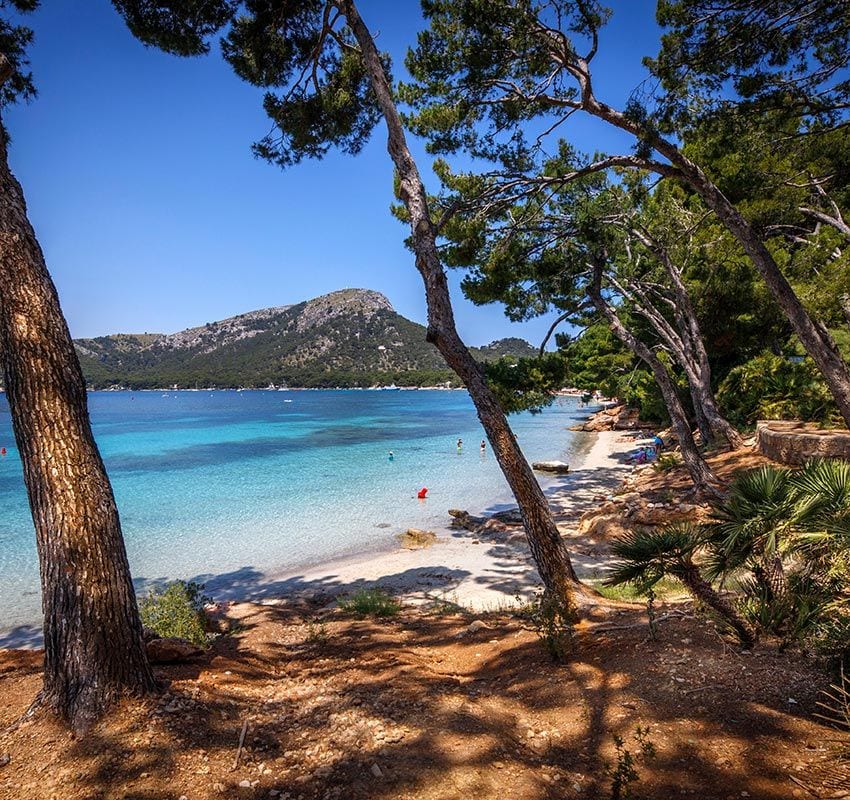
353,337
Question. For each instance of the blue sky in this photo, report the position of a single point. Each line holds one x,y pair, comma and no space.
154,215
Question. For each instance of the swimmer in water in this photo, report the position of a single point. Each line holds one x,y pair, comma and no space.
483,446
390,457
459,446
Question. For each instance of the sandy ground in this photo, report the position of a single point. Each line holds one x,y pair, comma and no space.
433,705
482,573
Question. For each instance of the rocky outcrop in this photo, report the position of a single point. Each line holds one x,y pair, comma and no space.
616,418
630,510
791,442
499,527
415,539
343,303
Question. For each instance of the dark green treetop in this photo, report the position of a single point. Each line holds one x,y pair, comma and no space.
788,55
15,76
319,94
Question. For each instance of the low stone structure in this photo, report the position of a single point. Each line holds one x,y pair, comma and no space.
791,442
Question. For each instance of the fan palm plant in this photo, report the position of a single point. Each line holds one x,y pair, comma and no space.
646,556
785,538
750,528
821,515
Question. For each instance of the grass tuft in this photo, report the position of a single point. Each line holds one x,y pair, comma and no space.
370,603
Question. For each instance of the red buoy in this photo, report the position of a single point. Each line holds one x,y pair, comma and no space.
421,493
2,451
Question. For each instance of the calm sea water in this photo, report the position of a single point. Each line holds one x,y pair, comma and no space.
210,483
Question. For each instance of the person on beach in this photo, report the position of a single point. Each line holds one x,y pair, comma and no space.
658,442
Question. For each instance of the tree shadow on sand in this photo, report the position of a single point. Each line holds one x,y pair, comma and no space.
418,707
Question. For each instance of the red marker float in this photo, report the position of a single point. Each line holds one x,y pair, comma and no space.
2,451
421,493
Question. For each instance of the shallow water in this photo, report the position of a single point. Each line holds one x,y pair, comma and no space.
213,482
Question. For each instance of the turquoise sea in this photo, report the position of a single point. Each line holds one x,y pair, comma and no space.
217,484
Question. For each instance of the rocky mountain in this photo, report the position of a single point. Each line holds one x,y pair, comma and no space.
352,337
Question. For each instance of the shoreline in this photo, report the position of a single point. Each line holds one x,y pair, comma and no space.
479,571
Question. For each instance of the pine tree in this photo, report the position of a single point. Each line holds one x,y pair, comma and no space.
93,647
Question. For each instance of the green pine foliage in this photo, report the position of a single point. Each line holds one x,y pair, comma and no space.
776,387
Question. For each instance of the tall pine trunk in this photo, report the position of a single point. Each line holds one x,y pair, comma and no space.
701,474
544,539
93,648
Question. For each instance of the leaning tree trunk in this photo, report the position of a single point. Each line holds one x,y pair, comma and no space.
703,425
693,357
544,539
703,591
814,337
699,383
701,474
698,370
93,648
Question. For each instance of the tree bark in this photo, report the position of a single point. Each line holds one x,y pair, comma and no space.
701,474
544,539
93,648
705,593
687,347
696,364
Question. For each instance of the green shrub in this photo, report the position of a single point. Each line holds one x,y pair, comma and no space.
317,633
177,611
830,637
667,461
553,621
774,387
370,603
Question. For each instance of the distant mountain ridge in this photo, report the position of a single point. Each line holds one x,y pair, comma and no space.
352,337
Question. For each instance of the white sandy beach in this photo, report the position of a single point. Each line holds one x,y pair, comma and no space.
478,572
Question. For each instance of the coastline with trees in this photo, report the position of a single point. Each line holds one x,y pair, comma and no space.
699,273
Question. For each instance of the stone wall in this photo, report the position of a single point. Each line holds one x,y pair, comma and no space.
792,442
